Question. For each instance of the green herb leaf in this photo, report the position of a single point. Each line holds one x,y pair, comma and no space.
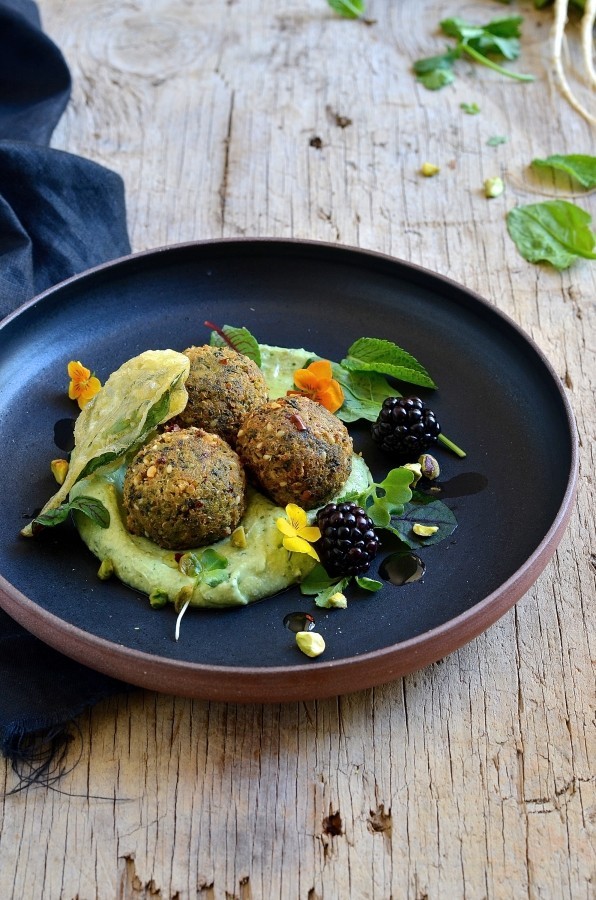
241,340
387,499
495,140
316,581
577,165
385,357
435,513
88,506
323,598
435,72
500,36
364,393
472,109
349,9
212,560
555,231
368,584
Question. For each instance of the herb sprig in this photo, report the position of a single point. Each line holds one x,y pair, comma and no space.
88,506
499,37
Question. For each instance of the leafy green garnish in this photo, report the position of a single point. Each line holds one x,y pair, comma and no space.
499,37
368,584
555,231
239,338
364,393
385,357
88,506
349,9
434,512
323,586
472,109
385,500
207,566
577,165
495,140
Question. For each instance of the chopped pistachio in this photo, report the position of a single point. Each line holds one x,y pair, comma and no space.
493,187
424,530
429,466
338,600
417,470
310,642
429,169
158,599
59,469
106,569
238,537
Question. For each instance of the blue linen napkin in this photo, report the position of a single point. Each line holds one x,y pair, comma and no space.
59,214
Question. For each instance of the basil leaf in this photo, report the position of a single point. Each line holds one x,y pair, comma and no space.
349,9
577,165
88,506
555,231
241,339
385,357
435,513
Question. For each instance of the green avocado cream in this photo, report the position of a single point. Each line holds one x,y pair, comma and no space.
259,568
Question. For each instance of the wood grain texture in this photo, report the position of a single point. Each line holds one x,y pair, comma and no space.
475,777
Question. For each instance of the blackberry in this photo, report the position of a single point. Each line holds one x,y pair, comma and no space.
405,427
348,543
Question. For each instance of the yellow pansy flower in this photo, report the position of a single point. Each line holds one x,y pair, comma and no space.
83,385
298,534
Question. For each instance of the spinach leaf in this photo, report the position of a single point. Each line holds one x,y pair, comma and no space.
555,231
578,165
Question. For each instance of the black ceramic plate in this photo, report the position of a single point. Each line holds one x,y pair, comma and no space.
497,397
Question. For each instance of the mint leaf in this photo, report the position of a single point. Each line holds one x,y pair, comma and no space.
577,165
240,339
385,357
435,513
555,231
88,506
349,9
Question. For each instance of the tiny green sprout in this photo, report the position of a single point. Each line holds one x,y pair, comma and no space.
106,569
493,187
424,530
310,642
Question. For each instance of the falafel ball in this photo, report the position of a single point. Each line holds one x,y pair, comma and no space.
223,387
185,489
296,450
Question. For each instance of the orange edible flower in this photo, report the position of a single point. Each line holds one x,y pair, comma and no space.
318,383
83,385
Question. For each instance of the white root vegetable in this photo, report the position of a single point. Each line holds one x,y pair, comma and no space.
558,36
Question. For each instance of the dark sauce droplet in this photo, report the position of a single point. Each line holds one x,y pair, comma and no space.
460,485
299,621
402,568
64,434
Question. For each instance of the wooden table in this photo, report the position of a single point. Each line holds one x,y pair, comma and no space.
472,778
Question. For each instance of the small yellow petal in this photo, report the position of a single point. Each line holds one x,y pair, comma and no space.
286,527
296,515
310,533
297,545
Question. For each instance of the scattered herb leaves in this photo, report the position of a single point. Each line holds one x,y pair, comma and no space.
579,166
88,506
495,140
498,37
472,109
555,231
364,393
